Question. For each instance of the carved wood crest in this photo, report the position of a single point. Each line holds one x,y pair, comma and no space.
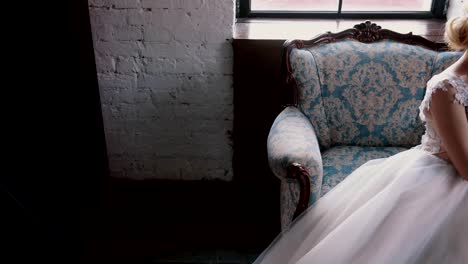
368,32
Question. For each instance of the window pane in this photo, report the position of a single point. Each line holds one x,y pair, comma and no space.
294,5
386,5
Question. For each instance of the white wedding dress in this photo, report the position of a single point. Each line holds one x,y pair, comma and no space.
408,208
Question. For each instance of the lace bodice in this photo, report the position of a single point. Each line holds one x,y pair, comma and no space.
430,141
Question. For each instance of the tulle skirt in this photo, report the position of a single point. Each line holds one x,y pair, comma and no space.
408,208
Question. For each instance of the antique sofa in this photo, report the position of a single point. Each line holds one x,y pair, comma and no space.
354,96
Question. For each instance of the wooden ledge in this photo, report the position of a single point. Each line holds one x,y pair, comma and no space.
282,29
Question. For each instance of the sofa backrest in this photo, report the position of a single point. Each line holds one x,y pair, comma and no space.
367,94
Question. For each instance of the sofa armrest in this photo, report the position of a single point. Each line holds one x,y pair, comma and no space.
294,153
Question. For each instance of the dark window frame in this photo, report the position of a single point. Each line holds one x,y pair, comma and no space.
437,11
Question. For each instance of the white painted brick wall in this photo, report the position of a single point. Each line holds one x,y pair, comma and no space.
455,8
165,76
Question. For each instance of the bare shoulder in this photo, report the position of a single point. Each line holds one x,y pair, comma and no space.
455,85
450,121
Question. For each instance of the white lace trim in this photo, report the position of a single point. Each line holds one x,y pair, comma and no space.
444,82
430,140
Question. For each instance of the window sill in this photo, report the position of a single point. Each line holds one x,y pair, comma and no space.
282,29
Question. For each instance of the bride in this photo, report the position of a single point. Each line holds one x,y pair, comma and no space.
408,208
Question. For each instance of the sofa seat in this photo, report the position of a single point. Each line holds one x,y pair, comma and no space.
340,161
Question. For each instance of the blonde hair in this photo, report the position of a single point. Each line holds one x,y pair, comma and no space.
456,31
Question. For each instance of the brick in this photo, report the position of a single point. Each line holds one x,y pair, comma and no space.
128,33
100,16
117,81
158,35
218,66
189,66
127,65
99,3
160,65
165,77
156,4
137,17
158,81
102,33
175,50
117,48
172,4
125,4
105,64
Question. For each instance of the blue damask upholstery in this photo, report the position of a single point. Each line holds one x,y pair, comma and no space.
340,161
361,101
292,139
444,60
310,100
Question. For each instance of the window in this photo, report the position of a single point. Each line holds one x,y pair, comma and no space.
342,8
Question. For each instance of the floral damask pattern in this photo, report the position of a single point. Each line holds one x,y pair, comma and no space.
340,161
444,60
292,140
341,130
310,99
363,99
289,199
410,129
369,83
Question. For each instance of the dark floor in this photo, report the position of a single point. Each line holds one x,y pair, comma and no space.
181,222
213,257
199,257
144,222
